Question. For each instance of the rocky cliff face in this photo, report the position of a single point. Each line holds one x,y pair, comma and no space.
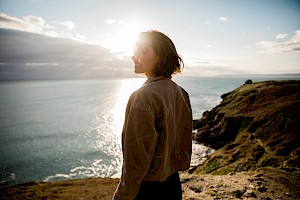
256,125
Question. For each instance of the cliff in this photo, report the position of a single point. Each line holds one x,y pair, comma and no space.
256,125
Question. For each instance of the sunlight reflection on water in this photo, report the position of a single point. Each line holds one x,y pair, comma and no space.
127,87
106,130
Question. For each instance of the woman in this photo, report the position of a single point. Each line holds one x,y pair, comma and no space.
157,131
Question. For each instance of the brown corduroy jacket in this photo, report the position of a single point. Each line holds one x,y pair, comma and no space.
156,136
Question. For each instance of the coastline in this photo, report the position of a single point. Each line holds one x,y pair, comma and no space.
199,154
249,166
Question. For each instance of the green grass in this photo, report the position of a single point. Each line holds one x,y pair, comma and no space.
216,195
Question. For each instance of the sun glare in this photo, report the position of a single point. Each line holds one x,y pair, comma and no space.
123,39
127,87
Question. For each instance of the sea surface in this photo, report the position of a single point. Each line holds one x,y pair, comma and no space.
65,129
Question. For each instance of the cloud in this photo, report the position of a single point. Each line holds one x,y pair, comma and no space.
281,35
222,18
68,24
213,68
30,48
35,24
213,71
110,21
25,55
28,23
291,45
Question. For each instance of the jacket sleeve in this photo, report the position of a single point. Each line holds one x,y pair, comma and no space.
139,140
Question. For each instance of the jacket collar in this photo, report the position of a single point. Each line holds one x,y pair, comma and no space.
155,78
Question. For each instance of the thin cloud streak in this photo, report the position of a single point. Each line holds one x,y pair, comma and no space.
110,21
35,24
290,46
281,36
68,24
223,18
28,23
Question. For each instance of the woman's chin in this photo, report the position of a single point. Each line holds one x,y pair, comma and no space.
137,70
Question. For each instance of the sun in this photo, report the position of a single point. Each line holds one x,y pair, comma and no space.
123,38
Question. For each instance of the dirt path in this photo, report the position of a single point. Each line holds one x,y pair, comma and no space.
263,184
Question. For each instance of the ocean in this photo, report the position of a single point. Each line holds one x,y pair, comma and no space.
53,130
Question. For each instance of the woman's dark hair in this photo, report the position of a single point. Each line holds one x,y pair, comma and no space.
169,62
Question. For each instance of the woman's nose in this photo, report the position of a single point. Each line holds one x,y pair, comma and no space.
134,58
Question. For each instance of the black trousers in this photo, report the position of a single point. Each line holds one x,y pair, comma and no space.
155,190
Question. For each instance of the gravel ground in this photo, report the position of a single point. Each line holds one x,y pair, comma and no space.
265,184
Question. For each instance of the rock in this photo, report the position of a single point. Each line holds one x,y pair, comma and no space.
248,82
261,188
258,175
196,189
288,194
250,179
238,193
192,169
259,183
266,198
249,194
260,179
184,180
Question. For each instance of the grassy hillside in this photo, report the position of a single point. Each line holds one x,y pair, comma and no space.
93,188
256,125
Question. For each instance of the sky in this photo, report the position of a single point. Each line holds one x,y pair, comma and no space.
42,39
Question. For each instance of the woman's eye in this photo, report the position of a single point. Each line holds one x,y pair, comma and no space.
144,51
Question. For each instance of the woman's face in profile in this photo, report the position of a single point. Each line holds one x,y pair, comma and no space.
145,60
